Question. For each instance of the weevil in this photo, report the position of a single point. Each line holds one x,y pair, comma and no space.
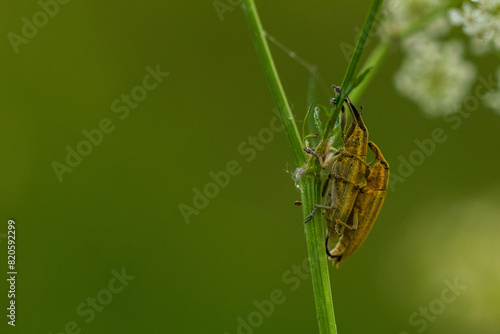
348,166
366,209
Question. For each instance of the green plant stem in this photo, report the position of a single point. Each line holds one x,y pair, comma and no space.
374,61
349,76
310,182
360,44
273,80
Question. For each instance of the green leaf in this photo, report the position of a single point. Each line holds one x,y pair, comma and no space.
306,123
317,121
360,78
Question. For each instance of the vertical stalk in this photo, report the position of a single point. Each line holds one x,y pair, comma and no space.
310,182
310,185
273,80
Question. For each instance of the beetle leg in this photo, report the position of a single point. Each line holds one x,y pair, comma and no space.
329,161
330,156
353,227
337,228
311,215
327,207
310,151
337,89
321,161
355,214
333,206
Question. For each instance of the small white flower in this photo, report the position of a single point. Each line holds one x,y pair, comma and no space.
479,21
479,47
488,5
456,17
495,28
473,20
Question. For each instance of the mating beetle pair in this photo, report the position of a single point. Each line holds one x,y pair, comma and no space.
350,205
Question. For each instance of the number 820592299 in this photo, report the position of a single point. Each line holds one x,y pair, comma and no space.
11,241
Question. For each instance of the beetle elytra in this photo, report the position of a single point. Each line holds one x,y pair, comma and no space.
366,209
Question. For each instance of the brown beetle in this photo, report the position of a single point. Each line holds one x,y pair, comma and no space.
366,209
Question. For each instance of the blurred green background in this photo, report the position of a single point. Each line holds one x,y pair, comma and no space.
119,207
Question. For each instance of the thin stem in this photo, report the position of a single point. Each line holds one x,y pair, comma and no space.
310,185
273,80
374,61
360,44
310,182
347,82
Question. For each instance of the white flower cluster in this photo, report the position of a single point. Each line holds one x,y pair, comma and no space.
480,21
434,74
